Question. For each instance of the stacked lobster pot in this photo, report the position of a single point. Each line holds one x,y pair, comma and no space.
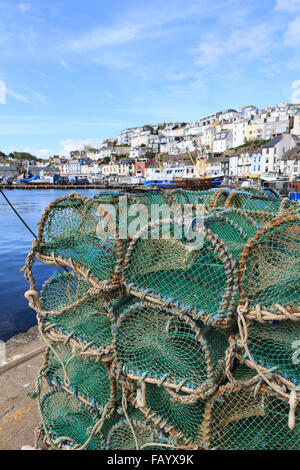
154,341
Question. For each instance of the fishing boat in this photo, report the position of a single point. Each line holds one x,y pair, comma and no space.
181,176
42,178
176,178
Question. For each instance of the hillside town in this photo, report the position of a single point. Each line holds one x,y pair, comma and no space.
244,144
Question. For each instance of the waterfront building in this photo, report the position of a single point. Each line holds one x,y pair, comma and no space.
272,153
290,163
233,165
255,164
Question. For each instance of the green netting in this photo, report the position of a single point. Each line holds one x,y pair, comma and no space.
174,321
183,419
253,190
242,373
253,202
67,423
181,196
161,347
70,230
80,376
276,346
151,197
144,435
240,421
87,323
270,267
246,224
219,198
261,208
202,281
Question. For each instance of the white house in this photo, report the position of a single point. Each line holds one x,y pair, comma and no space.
255,163
233,165
135,152
273,151
207,139
222,141
239,133
140,139
290,163
244,164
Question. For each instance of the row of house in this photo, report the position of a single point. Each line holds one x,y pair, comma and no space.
215,133
277,157
229,142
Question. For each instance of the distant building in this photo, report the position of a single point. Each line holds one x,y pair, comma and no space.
272,153
239,133
222,141
290,163
233,165
255,164
135,152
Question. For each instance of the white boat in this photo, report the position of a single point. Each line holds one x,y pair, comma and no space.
182,176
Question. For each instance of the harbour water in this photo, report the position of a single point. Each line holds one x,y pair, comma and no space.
15,242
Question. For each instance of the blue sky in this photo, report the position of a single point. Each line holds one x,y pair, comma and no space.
80,71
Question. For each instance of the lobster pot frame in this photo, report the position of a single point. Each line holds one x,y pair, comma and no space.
72,311
182,196
261,208
81,376
199,279
246,225
273,347
141,435
160,346
269,272
241,373
71,234
183,421
219,198
68,424
150,197
240,419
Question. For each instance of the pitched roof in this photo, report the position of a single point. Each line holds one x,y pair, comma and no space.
273,142
293,154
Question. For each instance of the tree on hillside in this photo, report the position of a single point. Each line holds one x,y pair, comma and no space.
23,156
149,154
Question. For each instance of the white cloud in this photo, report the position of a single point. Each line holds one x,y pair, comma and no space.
108,36
147,21
292,35
114,61
24,7
39,98
41,153
35,97
77,144
242,44
63,63
290,6
209,52
17,96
